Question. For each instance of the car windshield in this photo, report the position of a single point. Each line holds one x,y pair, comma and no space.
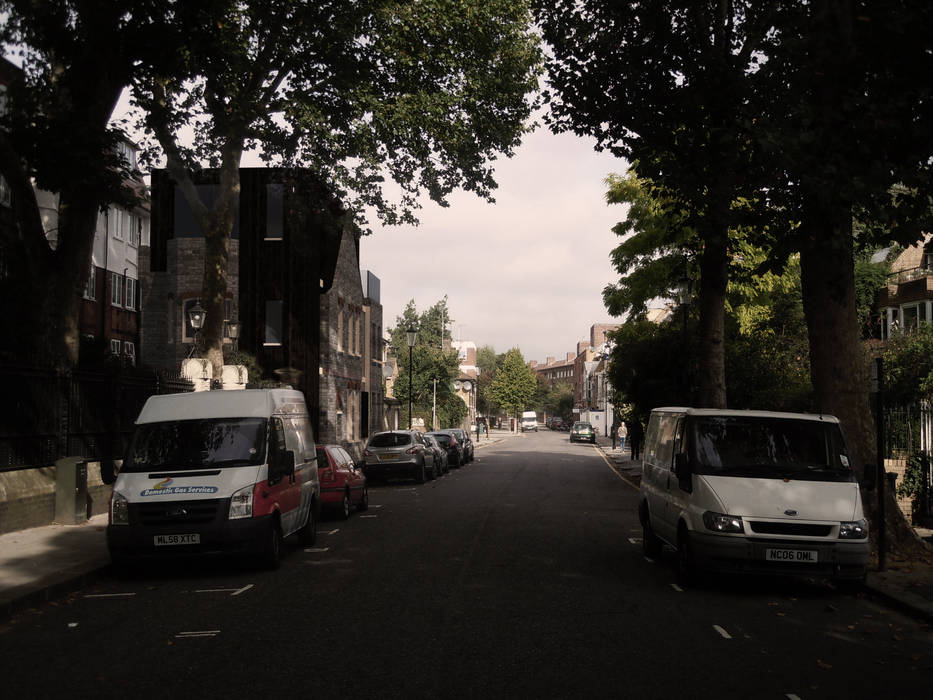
582,426
390,440
197,444
776,448
442,439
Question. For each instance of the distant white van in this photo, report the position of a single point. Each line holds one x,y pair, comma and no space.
216,472
752,492
529,421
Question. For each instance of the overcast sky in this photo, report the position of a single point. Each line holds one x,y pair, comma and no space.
527,271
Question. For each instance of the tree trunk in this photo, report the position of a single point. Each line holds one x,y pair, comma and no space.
714,277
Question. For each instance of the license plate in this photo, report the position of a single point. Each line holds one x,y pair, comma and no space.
164,540
798,556
389,458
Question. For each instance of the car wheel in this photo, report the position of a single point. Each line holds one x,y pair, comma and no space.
650,544
345,506
272,556
307,535
364,501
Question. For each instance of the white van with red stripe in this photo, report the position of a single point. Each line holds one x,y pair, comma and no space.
226,472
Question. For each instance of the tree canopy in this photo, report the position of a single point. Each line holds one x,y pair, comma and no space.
514,385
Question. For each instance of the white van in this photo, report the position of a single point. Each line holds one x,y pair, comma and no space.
216,472
529,421
752,492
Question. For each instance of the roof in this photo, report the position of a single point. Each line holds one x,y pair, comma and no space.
247,403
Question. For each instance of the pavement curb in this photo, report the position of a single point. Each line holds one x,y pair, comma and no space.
50,587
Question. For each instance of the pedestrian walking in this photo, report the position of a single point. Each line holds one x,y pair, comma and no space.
622,431
636,435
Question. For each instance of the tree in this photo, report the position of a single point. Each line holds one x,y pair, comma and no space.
426,93
514,384
665,85
76,59
487,362
434,368
848,130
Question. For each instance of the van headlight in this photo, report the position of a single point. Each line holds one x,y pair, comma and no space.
853,530
717,522
119,509
241,503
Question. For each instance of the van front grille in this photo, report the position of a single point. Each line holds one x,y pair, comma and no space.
176,512
799,529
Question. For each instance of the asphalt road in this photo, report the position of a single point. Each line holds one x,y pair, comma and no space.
518,576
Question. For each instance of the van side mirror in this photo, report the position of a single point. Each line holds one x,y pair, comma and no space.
683,471
283,465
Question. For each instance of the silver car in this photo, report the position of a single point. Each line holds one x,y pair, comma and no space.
399,453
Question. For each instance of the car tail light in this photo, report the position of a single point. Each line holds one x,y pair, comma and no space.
367,453
412,450
327,474
453,441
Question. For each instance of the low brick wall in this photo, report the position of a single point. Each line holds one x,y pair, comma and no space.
899,467
27,497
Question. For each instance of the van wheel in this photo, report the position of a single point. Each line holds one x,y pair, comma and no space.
687,573
364,501
650,544
307,535
345,506
272,556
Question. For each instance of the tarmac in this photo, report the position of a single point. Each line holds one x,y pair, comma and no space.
46,563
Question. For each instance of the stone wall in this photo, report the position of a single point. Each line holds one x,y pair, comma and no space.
27,497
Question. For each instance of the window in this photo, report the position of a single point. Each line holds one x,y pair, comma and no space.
274,325
131,286
116,289
90,288
6,195
274,213
340,331
114,346
129,349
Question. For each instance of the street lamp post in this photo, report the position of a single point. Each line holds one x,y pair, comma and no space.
196,317
411,336
233,332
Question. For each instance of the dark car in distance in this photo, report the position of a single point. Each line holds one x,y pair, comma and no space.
582,432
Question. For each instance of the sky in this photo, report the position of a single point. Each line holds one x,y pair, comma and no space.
527,271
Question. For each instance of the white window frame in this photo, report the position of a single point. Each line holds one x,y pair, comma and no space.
116,289
129,294
90,287
115,346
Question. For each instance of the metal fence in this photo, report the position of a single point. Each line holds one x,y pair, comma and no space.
48,414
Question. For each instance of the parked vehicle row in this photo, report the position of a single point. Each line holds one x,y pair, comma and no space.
414,455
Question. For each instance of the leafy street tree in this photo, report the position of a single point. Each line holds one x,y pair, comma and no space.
514,385
487,362
665,86
76,59
433,368
427,94
849,128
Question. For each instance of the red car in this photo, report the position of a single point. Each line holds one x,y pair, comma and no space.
342,484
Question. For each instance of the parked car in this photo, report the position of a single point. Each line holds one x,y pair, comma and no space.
464,437
582,432
343,484
399,453
440,454
454,447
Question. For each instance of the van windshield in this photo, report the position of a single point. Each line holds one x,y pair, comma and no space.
197,444
770,448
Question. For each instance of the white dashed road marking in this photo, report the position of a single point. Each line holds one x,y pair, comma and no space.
722,632
110,595
195,635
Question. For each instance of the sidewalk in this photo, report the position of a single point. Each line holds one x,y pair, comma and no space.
906,587
48,562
